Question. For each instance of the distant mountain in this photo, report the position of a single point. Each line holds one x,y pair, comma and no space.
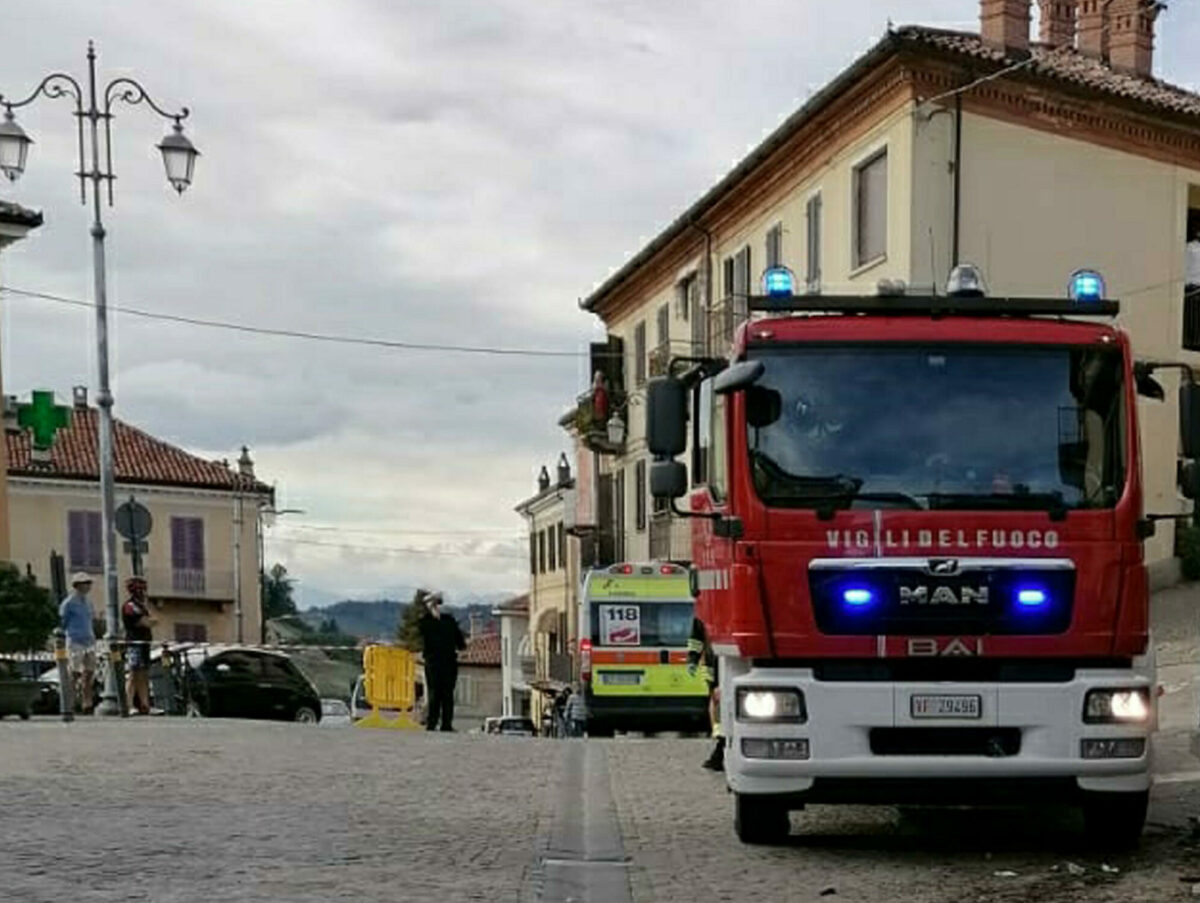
378,619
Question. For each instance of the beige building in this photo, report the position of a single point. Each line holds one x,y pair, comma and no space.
203,549
15,223
554,580
1027,158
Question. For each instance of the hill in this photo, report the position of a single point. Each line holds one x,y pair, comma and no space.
378,619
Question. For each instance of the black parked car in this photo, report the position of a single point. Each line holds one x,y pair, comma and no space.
239,682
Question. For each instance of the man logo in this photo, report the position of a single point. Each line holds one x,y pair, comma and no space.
943,567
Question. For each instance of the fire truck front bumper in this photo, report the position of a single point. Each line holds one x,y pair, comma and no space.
893,742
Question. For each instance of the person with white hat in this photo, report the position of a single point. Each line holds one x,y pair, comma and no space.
76,615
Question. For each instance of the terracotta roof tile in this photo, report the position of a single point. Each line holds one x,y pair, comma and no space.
139,458
518,604
482,650
1062,64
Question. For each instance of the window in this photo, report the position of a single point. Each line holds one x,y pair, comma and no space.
639,472
541,551
741,272
775,246
187,543
685,292
551,550
278,669
812,271
727,275
85,540
708,466
1191,318
191,633
619,515
870,210
639,354
562,546
533,553
664,325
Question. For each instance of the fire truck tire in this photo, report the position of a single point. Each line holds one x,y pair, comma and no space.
760,820
1114,821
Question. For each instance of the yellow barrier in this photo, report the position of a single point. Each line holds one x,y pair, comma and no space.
390,682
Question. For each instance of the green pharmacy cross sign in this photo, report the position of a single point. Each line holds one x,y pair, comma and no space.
43,418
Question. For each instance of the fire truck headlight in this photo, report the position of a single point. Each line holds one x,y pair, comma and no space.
775,705
1127,706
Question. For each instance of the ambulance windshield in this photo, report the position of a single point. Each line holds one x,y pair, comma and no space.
949,426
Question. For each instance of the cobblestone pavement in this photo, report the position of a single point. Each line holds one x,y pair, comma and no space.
180,811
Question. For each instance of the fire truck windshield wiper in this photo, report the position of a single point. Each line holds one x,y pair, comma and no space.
1001,501
824,492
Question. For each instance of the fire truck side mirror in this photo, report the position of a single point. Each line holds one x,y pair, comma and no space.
666,417
668,480
1189,419
741,375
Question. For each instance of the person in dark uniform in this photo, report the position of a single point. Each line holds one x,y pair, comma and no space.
700,657
135,616
441,640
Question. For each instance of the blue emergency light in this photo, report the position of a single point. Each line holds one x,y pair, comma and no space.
857,597
1087,287
1031,597
779,282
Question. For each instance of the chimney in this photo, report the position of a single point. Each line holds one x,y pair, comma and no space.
1131,38
564,470
1057,27
246,464
79,393
1092,28
543,480
1004,24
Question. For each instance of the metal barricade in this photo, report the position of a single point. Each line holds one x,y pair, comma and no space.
390,681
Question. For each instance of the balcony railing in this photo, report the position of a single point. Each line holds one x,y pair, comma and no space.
192,583
726,316
670,537
660,360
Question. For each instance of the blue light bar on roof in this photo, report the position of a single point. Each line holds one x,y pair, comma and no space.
1087,287
779,282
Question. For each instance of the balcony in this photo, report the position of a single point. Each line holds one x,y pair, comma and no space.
560,667
186,583
726,316
660,360
592,431
528,668
670,537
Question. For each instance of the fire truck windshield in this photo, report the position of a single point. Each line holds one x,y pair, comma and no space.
947,426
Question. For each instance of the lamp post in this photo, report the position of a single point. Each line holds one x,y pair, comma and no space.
179,158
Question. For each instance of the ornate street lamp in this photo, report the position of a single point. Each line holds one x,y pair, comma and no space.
179,157
616,428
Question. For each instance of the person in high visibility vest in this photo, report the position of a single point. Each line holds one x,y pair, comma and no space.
700,657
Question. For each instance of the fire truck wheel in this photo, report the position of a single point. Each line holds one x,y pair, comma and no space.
759,819
1114,821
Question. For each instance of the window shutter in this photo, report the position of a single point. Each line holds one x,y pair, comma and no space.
196,544
871,210
775,246
77,538
813,264
178,544
664,324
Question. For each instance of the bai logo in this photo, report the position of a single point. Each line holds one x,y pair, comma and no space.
931,647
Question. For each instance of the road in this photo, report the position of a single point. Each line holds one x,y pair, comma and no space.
162,810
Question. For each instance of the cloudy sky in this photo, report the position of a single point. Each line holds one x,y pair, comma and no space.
453,172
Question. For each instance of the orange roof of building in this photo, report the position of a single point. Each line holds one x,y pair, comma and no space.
483,650
139,458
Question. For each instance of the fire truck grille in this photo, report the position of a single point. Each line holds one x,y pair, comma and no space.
909,599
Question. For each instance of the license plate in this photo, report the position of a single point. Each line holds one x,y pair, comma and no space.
620,678
937,706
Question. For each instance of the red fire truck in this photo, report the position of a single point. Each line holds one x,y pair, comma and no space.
918,549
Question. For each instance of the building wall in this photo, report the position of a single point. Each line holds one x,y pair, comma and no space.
1036,206
39,510
477,695
833,179
514,630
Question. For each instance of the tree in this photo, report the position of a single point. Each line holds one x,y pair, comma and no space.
277,593
408,631
27,614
